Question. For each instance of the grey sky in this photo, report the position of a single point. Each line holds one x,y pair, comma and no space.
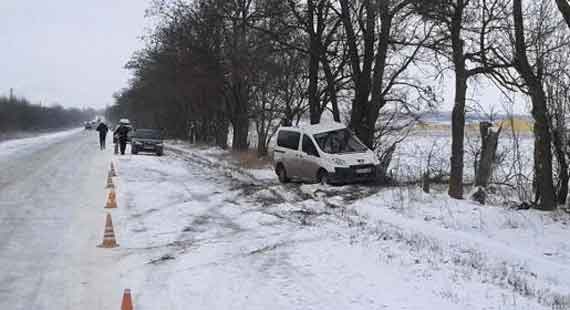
72,52
68,51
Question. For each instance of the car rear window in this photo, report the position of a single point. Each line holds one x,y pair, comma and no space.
288,139
147,134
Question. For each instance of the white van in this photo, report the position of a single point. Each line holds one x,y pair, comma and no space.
324,153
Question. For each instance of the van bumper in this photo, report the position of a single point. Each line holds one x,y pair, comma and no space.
354,174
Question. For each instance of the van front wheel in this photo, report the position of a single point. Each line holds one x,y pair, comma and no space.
323,177
282,174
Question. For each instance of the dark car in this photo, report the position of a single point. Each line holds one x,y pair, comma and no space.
147,140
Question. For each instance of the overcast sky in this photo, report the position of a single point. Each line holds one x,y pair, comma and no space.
68,51
72,52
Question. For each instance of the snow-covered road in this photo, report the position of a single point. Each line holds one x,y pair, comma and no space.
51,198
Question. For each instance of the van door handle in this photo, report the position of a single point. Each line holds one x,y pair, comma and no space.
279,151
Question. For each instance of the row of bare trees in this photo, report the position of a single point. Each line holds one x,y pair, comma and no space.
20,115
211,67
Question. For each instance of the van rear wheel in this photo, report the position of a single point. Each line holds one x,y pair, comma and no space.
282,174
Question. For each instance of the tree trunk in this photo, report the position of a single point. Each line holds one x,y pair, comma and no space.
559,143
378,100
544,190
240,120
331,89
544,195
360,76
222,132
426,182
240,133
489,142
314,49
261,146
314,102
458,134
458,113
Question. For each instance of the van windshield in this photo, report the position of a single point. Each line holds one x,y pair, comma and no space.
339,141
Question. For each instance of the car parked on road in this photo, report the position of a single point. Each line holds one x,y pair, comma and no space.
324,153
147,140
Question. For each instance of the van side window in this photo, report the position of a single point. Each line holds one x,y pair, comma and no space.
288,139
309,146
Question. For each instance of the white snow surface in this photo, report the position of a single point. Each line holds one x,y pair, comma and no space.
14,148
199,232
51,210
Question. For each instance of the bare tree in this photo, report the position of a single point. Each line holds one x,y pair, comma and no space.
382,41
533,77
557,89
465,37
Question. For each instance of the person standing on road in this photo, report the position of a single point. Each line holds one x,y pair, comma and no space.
102,129
122,133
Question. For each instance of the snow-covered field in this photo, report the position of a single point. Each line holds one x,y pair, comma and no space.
411,157
199,232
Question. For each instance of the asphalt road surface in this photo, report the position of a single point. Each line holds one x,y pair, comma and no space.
51,198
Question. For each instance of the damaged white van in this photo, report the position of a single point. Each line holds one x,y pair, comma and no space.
323,153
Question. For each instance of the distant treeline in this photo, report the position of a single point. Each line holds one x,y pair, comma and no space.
18,114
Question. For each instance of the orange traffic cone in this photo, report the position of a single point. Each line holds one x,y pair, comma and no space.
127,303
113,172
110,181
111,200
109,236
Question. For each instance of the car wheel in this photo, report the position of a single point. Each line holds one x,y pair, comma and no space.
282,174
323,177
159,153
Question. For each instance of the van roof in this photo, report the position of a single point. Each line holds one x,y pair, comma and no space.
316,128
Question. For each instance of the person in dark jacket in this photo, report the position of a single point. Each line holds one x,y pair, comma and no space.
102,129
122,133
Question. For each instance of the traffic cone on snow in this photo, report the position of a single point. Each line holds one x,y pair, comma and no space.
109,235
110,181
111,200
113,172
127,303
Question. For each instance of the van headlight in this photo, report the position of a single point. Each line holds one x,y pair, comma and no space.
375,160
338,161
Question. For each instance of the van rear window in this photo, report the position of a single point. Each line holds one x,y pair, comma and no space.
288,139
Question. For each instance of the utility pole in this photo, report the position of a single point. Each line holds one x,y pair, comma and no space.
11,94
